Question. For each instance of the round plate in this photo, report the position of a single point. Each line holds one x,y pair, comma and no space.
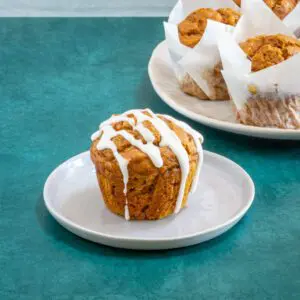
224,194
216,114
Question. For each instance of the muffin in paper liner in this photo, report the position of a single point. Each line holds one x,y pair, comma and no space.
287,10
258,19
281,8
198,69
270,96
292,20
215,79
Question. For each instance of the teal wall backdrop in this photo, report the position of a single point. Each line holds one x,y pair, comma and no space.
59,78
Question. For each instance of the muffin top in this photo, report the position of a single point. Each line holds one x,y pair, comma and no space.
280,7
267,50
132,131
192,28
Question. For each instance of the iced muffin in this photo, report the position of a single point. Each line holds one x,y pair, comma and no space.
270,109
280,7
146,164
190,32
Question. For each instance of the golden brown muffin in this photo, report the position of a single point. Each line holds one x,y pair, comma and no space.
191,31
271,109
268,50
151,192
280,7
192,28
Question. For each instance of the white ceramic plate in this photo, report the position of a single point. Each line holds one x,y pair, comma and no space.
216,114
225,193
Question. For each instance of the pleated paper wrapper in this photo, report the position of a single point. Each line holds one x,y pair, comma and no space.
198,69
270,97
292,20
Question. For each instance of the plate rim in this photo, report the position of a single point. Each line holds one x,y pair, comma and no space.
231,221
262,132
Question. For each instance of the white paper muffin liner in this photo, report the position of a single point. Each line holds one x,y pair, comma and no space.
292,20
264,112
197,65
270,97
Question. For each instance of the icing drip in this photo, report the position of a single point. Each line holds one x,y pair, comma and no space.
116,119
168,139
126,211
150,149
95,135
171,140
198,140
145,132
107,143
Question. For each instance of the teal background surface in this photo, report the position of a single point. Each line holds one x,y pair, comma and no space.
59,78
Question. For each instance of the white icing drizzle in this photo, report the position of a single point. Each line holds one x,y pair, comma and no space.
171,140
116,119
106,143
126,211
145,132
168,139
95,135
198,140
150,149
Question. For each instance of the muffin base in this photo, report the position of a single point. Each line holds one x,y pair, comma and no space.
215,78
271,113
151,192
190,87
155,199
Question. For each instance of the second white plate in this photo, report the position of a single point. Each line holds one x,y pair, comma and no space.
224,194
216,114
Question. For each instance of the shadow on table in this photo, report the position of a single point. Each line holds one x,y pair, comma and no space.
49,225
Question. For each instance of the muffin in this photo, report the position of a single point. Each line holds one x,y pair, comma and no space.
270,109
191,30
280,7
267,50
146,164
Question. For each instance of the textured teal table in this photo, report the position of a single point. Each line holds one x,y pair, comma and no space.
58,79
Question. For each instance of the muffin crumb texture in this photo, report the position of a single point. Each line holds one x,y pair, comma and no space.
193,27
280,7
268,50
